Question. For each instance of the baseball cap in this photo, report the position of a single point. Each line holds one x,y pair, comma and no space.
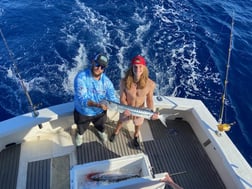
138,60
101,59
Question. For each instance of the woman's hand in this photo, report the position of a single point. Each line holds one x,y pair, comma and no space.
127,113
155,116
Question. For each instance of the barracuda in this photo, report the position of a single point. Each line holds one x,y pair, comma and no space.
140,112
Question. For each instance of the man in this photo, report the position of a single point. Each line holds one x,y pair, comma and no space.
136,89
91,86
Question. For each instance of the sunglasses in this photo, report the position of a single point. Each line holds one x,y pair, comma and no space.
98,65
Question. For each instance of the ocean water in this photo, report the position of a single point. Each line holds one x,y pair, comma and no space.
185,43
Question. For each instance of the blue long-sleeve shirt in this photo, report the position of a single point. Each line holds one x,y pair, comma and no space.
87,88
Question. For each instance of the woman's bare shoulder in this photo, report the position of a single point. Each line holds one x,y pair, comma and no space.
151,83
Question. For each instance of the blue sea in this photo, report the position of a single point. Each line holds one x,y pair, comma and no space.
186,45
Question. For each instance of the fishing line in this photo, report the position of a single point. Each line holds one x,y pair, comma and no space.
218,38
35,113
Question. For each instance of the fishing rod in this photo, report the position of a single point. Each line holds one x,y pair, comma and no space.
35,113
177,173
226,126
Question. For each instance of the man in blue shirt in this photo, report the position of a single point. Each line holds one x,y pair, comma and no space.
91,86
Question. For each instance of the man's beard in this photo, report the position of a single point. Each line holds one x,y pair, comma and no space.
96,75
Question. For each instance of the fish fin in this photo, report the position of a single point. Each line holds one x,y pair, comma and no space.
163,117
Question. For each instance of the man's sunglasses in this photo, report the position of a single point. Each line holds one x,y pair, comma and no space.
98,65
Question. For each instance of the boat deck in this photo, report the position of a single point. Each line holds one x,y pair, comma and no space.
173,149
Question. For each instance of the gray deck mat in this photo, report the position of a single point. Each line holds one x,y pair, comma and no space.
49,173
95,150
9,163
38,174
176,149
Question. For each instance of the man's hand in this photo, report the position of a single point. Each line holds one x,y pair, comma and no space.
167,179
103,106
94,104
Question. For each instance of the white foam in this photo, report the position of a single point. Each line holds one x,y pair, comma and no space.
81,61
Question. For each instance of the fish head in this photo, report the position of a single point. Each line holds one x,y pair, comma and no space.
112,105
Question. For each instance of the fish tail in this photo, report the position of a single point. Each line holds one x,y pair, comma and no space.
163,118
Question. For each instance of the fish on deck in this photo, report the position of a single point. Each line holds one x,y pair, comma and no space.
111,176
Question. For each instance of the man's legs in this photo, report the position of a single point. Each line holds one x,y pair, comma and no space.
82,123
99,123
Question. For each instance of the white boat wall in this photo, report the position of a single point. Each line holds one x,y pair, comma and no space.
53,139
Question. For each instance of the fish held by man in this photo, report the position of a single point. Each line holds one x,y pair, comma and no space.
140,112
